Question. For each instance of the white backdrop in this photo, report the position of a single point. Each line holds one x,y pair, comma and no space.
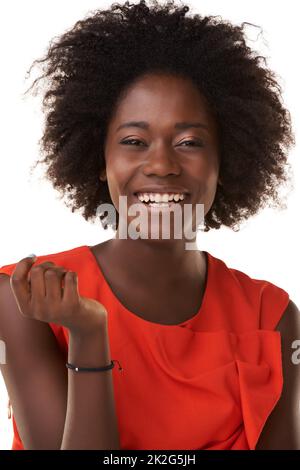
34,220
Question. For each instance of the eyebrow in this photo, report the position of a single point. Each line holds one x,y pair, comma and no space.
178,125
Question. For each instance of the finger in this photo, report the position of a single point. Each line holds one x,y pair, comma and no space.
19,283
71,286
53,283
44,264
37,281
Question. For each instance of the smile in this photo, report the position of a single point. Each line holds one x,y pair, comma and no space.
155,204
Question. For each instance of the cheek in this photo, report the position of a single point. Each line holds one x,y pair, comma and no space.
205,175
118,176
205,170
113,188
208,165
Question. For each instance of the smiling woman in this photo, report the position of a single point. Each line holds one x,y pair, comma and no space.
158,152
170,111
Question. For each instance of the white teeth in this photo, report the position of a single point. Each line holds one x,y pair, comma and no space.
146,197
159,204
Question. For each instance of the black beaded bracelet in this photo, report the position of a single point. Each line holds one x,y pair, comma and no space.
93,369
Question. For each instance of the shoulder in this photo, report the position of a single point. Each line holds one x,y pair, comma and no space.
261,302
243,281
289,329
290,320
282,430
67,258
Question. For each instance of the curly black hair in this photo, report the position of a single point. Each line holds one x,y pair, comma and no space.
87,69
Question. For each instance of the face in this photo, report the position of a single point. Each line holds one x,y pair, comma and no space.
153,154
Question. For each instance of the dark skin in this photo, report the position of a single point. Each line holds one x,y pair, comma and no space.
157,157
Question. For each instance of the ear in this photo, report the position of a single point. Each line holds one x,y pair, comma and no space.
102,175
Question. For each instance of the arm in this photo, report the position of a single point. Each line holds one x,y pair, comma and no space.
55,409
34,374
282,429
91,418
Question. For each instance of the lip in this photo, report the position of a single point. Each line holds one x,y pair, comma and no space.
162,190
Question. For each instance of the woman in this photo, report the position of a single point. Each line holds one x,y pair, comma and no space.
166,110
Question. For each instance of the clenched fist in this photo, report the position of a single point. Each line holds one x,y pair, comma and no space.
49,293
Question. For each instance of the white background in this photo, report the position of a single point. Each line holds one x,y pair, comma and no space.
34,220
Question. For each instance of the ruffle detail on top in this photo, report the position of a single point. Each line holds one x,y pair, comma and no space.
261,381
227,384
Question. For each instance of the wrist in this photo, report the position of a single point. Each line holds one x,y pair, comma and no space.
88,333
89,349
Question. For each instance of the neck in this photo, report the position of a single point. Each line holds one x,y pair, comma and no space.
165,262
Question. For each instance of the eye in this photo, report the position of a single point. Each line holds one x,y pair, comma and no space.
130,140
197,143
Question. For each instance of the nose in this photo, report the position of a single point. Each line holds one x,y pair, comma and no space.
162,162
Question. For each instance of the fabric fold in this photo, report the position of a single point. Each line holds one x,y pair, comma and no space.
208,383
261,382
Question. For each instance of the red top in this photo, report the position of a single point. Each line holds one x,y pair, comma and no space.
208,383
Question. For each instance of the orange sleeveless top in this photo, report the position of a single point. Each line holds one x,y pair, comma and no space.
208,383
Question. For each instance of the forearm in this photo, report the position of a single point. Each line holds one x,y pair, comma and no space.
91,421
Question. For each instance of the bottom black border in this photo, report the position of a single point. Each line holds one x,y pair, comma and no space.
133,459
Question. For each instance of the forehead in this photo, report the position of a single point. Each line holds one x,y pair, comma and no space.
161,98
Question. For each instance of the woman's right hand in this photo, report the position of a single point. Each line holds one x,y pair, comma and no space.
49,293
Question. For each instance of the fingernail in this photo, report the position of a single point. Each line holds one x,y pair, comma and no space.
32,256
